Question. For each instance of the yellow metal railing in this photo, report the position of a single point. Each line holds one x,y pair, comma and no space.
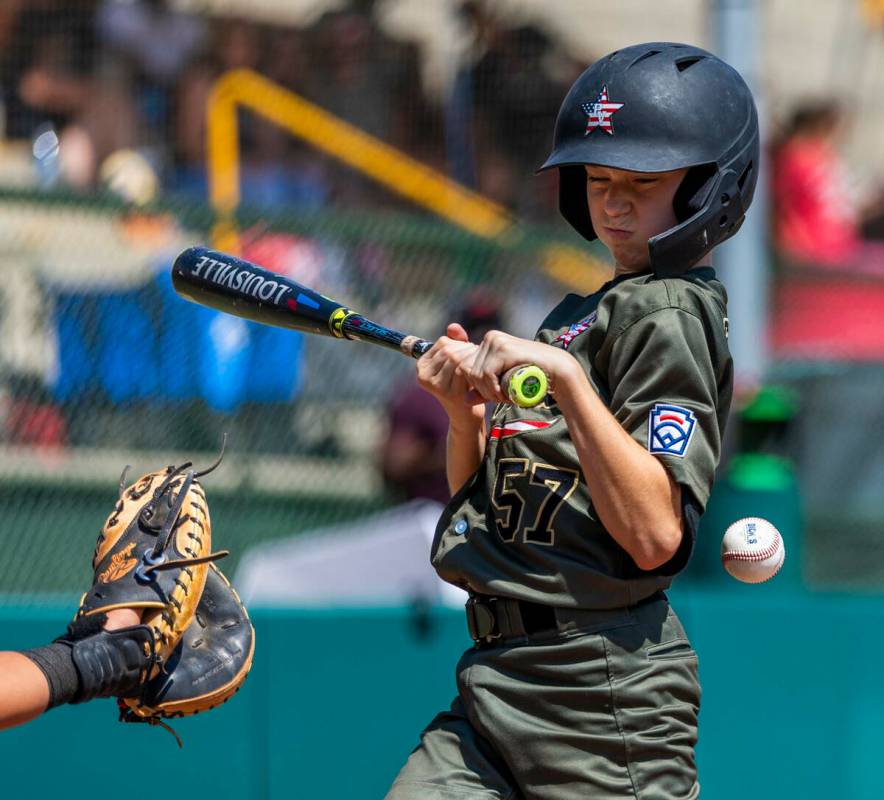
367,154
873,12
326,132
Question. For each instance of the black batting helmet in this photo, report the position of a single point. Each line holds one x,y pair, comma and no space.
658,107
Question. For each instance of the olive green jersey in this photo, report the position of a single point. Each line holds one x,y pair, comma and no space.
524,525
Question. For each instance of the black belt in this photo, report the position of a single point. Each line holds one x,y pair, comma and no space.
490,619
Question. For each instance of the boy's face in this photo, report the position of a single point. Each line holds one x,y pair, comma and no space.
628,208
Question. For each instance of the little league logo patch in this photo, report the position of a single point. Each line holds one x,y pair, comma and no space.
600,112
574,330
670,429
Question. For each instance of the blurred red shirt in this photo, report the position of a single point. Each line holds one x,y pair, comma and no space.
816,220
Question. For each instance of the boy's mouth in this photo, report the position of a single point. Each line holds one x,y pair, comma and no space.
618,233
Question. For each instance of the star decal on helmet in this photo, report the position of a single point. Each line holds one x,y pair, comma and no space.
600,112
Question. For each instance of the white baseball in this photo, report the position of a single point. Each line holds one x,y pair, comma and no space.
752,550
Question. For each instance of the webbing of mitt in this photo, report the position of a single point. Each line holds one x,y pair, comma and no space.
156,559
153,554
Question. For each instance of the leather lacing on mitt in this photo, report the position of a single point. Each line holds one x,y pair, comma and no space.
204,662
153,555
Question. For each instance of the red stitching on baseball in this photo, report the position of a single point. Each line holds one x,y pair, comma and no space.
757,555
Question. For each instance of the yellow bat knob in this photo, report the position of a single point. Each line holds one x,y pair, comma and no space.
526,385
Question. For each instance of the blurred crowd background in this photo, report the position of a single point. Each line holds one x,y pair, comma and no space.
101,77
392,167
105,175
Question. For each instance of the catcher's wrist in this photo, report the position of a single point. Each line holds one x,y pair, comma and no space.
89,662
56,662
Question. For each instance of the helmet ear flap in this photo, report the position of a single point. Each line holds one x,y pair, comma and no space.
572,200
693,193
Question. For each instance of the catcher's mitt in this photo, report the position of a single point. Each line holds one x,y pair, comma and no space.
208,665
153,554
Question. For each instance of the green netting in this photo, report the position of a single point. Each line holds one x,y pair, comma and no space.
103,365
103,180
833,441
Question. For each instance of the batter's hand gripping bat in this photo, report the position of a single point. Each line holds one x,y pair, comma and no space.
237,287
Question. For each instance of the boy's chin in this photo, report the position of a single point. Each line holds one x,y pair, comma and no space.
630,261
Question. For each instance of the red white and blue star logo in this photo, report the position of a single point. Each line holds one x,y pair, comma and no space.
600,112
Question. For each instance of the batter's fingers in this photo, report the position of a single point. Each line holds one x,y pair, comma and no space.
483,379
444,350
444,378
428,368
446,346
438,345
499,350
457,332
450,349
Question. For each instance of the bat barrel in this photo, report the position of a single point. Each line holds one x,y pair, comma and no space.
237,287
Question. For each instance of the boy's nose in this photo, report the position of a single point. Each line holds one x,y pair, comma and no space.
616,203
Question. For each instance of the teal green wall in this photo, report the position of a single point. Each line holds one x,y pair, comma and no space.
793,706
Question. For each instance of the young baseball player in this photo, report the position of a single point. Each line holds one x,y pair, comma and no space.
569,521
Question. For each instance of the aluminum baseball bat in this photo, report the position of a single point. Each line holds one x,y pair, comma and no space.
235,286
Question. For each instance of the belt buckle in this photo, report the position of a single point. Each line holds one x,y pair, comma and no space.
481,619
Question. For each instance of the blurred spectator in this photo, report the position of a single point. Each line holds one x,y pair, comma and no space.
368,78
372,82
818,219
9,12
234,44
519,77
154,44
276,169
513,84
357,85
413,459
50,74
88,78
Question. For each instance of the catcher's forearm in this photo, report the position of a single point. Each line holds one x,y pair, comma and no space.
36,680
24,691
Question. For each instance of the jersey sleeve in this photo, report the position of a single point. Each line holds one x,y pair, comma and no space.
663,391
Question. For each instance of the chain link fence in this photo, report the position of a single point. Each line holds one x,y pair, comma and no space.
104,179
103,365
